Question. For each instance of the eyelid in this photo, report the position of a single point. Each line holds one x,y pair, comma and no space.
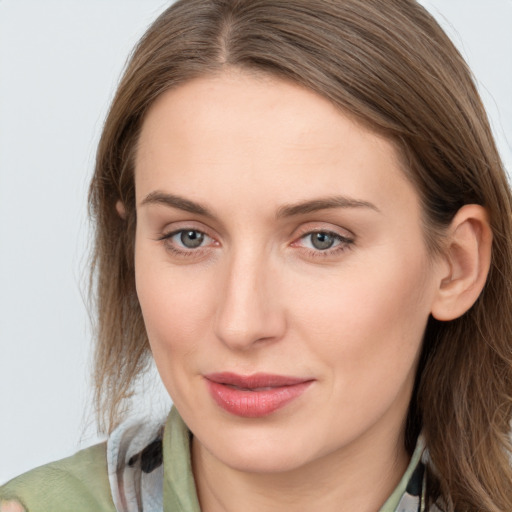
165,237
345,240
185,225
340,238
172,234
323,227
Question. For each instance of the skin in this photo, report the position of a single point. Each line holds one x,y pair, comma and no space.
258,296
11,506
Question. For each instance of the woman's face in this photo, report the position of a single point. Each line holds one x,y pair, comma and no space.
281,270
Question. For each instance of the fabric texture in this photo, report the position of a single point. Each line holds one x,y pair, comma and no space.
74,484
146,467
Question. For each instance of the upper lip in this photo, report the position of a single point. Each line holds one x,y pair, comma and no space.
255,380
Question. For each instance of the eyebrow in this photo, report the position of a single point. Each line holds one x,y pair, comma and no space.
176,202
289,210
322,204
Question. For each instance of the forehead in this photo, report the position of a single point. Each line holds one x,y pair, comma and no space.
235,130
251,105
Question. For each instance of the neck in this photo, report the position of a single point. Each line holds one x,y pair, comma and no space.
358,478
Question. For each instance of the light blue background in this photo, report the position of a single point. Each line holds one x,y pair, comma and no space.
59,63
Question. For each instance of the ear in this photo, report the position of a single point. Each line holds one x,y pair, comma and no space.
121,210
468,257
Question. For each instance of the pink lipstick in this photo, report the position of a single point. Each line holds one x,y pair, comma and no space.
256,395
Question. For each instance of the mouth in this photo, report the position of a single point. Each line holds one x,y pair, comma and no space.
254,396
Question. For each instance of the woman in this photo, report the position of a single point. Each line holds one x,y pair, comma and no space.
301,214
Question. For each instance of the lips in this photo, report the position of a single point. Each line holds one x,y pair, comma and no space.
256,395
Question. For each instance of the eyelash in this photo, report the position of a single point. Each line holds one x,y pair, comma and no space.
166,239
344,243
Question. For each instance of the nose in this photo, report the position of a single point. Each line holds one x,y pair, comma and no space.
249,311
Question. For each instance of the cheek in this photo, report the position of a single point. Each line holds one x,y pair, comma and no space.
168,307
176,304
175,313
366,331
370,319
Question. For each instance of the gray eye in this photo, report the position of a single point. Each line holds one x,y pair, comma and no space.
322,241
191,239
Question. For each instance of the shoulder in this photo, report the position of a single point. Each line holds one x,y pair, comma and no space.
77,483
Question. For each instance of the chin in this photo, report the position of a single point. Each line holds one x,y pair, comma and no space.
264,460
258,448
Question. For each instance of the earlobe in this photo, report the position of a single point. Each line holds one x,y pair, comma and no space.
121,210
468,257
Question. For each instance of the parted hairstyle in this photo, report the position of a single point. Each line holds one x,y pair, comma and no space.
388,65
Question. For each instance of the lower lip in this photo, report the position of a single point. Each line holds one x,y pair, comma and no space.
254,404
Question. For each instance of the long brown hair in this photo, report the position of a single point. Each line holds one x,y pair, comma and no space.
390,66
